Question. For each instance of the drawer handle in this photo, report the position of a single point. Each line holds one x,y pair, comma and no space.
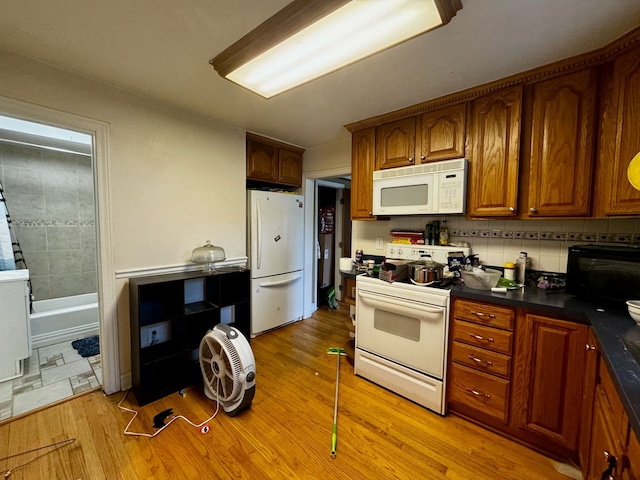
477,360
480,314
476,393
478,337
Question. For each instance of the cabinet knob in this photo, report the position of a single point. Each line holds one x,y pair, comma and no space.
511,209
422,157
590,347
612,465
371,214
411,160
532,210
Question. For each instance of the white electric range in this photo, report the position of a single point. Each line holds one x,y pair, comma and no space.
402,331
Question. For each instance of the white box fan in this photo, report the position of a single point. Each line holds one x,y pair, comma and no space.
228,368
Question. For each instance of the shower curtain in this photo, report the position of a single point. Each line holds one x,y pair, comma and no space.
7,259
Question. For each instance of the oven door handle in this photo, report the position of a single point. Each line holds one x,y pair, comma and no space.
408,305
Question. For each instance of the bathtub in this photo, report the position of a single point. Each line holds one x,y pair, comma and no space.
64,319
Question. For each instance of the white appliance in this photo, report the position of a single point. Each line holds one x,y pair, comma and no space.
402,331
276,258
430,188
15,341
228,368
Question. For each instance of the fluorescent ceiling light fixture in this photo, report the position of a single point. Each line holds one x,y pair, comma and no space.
310,38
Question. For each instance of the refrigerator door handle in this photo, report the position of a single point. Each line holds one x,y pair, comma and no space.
279,283
258,234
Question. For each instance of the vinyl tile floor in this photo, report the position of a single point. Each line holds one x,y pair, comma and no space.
52,373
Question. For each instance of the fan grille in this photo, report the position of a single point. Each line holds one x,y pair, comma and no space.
221,365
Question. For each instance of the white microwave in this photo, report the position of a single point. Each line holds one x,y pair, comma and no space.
426,189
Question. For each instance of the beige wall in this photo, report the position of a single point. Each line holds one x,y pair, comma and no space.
176,179
327,158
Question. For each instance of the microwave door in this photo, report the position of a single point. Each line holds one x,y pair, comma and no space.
404,196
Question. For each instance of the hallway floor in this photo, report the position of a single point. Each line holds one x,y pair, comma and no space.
52,373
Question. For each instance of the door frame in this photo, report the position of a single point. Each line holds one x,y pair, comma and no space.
107,300
309,181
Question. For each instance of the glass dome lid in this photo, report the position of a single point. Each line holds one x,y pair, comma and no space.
208,255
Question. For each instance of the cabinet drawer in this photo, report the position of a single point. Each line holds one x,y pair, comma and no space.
490,338
479,391
491,315
481,359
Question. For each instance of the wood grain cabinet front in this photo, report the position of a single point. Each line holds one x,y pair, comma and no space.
273,162
494,159
619,139
563,117
363,157
518,372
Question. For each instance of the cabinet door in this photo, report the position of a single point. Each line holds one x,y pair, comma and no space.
588,397
396,144
362,165
549,366
493,163
604,446
562,136
289,167
440,134
262,162
620,137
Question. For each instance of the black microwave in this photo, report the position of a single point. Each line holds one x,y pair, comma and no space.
609,274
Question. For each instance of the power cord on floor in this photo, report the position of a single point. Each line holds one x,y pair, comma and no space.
7,473
167,412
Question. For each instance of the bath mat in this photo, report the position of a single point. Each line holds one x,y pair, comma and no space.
87,347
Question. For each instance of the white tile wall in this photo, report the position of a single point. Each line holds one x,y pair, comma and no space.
498,241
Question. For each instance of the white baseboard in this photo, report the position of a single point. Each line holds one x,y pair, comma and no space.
64,335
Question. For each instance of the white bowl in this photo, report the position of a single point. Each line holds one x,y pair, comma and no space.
481,279
634,310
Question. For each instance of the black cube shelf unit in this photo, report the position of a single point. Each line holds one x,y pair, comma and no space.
170,314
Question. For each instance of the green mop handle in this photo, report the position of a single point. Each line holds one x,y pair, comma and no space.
334,440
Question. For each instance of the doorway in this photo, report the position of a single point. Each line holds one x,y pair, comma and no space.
91,181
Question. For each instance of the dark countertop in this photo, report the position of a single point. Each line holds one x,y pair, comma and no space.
609,325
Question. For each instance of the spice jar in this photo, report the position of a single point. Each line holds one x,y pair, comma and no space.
510,270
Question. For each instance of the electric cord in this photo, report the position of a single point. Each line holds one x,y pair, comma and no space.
175,417
7,473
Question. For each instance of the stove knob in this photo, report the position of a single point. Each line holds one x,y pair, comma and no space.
399,251
391,250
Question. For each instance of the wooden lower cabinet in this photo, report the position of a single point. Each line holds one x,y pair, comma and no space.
526,383
614,451
549,366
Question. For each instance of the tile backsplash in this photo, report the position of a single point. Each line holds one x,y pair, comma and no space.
497,241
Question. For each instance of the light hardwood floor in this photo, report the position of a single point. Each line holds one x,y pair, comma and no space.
285,434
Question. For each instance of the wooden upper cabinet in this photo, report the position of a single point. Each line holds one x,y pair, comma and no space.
550,363
274,162
619,139
440,134
262,161
562,145
289,167
396,143
495,148
363,151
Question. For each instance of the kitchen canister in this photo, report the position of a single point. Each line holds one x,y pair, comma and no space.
346,264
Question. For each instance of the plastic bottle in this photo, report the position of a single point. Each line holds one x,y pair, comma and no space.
444,234
510,270
521,268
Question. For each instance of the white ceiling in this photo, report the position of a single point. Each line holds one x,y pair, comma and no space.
161,49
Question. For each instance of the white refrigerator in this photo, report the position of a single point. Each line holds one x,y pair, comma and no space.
276,258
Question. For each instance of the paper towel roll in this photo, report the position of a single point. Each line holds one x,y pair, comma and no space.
346,264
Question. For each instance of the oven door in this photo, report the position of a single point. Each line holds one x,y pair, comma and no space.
408,332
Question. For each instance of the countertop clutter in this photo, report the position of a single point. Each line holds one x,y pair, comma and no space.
610,325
